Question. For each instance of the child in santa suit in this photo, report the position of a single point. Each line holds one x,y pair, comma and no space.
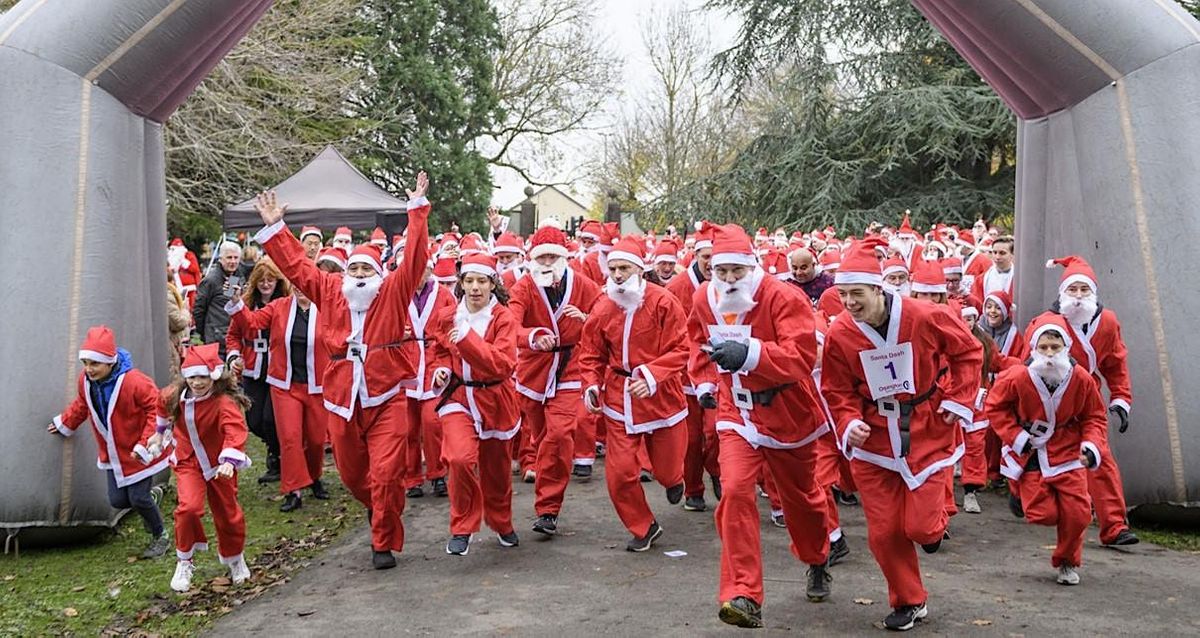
475,356
633,355
204,413
121,402
1051,420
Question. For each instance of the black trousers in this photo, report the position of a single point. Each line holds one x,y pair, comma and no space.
261,417
136,496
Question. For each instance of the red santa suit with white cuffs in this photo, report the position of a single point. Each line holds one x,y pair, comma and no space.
765,417
300,416
899,471
478,407
645,340
1044,432
521,447
207,431
424,427
549,381
368,367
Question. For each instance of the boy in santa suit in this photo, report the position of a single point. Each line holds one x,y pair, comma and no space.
1097,345
702,445
1051,419
363,326
205,413
185,270
754,352
476,351
121,402
633,354
424,427
550,306
897,414
1000,275
344,239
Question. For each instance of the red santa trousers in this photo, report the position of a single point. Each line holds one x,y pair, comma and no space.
991,449
521,445
369,452
1108,496
623,465
221,495
1061,501
552,428
702,448
974,460
300,422
478,477
794,473
829,473
585,436
897,517
424,436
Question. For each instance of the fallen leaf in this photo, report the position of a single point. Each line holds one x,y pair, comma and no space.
863,601
131,560
220,580
220,589
114,592
78,589
1049,546
70,612
981,622
306,612
10,577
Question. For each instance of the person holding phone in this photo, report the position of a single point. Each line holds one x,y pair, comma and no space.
208,315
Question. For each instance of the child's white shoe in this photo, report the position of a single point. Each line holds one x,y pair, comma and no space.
239,572
182,580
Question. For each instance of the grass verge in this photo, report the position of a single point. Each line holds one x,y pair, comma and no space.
1176,538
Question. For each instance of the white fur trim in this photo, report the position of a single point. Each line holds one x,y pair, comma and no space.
706,388
363,259
999,303
752,355
99,357
702,244
1074,279
630,257
659,259
267,232
143,454
1122,403
1018,444
196,371
478,269
849,277
928,288
547,249
1047,327
417,203
644,372
894,268
235,457
62,427
734,259
533,335
961,411
333,260
233,306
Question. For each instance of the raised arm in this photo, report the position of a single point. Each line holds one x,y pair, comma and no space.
287,253
416,246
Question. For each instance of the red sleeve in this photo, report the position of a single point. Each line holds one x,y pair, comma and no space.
416,254
75,414
1093,416
673,349
1001,408
593,350
148,403
838,385
439,331
288,254
964,353
233,435
1114,367
701,369
794,351
571,330
518,298
494,360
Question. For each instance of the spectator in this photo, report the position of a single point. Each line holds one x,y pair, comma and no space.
178,321
209,316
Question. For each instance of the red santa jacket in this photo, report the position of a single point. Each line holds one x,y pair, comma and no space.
830,303
973,268
279,317
241,341
207,432
651,344
486,352
783,350
376,368
187,277
1059,425
934,335
420,345
992,280
511,276
594,266
538,375
132,416
684,287
1101,350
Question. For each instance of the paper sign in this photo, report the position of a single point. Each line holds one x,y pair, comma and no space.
676,553
889,370
721,334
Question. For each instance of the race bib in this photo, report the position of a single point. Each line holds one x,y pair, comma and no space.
721,334
889,370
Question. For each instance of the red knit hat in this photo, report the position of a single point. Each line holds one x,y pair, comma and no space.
367,254
860,265
928,278
478,263
775,262
342,233
894,264
311,230
333,255
203,361
630,248
1049,322
1076,271
1001,299
548,240
508,243
732,247
99,345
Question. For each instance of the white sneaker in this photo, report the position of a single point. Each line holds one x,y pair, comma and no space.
1067,575
971,503
239,571
182,580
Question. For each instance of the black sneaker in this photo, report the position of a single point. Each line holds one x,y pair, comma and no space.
439,487
642,544
716,484
845,498
383,560
932,548
546,524
509,540
997,484
158,546
318,490
1126,537
819,579
741,612
272,473
582,472
695,504
646,477
838,551
1014,506
903,618
459,545
675,494
415,492
291,502
600,450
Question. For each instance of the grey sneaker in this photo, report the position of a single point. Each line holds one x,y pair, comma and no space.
1067,575
971,503
158,546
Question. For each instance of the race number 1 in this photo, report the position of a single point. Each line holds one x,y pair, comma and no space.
889,370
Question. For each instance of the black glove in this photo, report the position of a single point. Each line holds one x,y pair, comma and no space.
730,355
1122,416
707,401
1091,458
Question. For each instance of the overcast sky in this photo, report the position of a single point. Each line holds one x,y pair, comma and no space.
621,21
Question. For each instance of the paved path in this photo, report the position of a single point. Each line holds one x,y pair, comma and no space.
993,579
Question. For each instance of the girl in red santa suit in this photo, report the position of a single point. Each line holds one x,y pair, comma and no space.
204,412
476,354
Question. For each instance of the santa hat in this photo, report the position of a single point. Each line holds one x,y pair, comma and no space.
99,345
203,361
177,243
478,263
378,237
445,270
1076,270
333,255
367,254
508,243
774,262
939,245
894,264
761,235
1002,299
860,264
665,252
732,247
966,239
631,249
929,278
831,260
703,236
451,238
470,245
952,266
610,234
1049,322
906,228
590,229
311,230
342,234
971,307
548,240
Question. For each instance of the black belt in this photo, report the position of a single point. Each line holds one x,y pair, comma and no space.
341,356
457,382
906,409
761,397
621,372
565,359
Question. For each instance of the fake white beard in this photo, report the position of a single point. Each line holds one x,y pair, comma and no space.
737,297
478,321
627,295
344,244
360,293
176,255
903,290
1052,370
665,278
901,245
1077,311
503,268
545,276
